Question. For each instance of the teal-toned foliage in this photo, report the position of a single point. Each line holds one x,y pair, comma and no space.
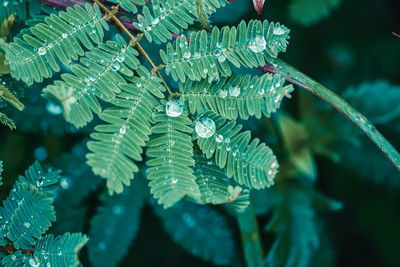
166,109
26,215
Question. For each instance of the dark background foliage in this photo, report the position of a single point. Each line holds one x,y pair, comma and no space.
354,44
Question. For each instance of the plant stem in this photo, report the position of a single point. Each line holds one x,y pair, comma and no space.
251,242
298,78
134,41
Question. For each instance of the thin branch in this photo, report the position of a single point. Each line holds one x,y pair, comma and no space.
134,41
298,78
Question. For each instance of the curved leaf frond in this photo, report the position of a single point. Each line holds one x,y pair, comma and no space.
99,76
238,95
168,16
59,251
249,46
171,150
129,5
60,39
251,164
215,187
126,132
26,215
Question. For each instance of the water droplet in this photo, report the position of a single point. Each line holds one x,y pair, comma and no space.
115,66
122,130
59,253
27,225
42,51
205,127
219,138
223,93
33,262
64,35
234,91
120,58
13,257
174,180
258,44
261,91
174,108
274,165
186,54
5,4
156,21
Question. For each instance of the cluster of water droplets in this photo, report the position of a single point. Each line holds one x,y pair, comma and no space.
205,127
174,108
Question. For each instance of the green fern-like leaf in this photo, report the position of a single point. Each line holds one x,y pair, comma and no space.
168,16
26,215
307,12
248,45
171,150
239,95
119,228
129,5
59,251
100,76
200,230
15,259
215,187
251,164
46,181
60,39
127,131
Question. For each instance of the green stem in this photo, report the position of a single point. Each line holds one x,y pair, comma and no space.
251,242
298,78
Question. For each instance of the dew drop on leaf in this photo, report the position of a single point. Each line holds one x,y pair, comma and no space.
205,127
258,44
42,51
115,66
174,108
234,91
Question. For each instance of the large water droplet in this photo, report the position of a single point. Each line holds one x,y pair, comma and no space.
205,127
27,225
258,44
174,180
219,138
174,108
